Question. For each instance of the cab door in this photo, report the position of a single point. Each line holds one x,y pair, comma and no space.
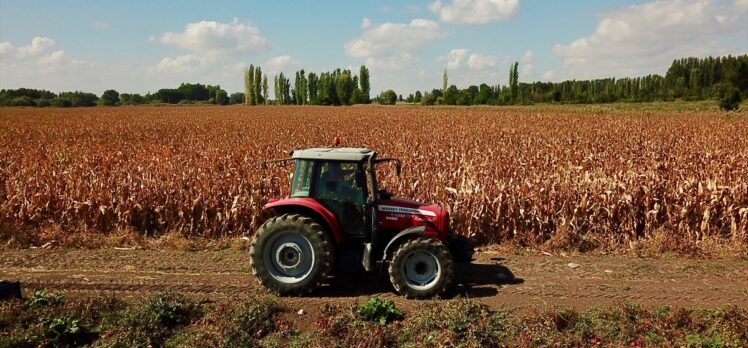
341,191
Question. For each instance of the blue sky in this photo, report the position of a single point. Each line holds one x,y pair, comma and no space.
140,46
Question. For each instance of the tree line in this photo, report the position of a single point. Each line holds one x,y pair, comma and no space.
724,78
337,87
186,93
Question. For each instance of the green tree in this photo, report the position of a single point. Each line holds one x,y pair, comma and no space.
388,97
450,95
249,91
222,97
195,92
731,100
297,95
265,89
313,87
276,91
514,82
344,87
110,97
236,98
365,86
445,79
257,86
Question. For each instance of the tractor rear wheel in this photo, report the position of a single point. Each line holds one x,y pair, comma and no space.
421,268
291,254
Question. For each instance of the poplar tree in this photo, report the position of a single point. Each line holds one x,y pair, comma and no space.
265,89
444,82
247,86
251,77
363,78
258,86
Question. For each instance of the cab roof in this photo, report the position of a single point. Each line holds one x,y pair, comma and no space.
334,154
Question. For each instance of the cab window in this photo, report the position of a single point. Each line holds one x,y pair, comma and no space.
302,178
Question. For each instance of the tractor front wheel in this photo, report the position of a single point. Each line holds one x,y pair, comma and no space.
291,254
421,268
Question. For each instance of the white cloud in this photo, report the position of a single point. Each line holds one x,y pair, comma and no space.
392,45
216,39
527,73
40,64
475,11
455,58
182,64
467,68
392,62
645,38
38,46
281,63
459,58
479,61
549,75
101,25
528,57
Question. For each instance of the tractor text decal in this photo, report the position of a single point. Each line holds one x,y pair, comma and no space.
394,209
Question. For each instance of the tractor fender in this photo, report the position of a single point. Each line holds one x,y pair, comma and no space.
404,234
311,208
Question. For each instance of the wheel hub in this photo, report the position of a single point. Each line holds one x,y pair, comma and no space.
421,270
288,256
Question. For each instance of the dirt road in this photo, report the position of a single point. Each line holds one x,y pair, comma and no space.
522,281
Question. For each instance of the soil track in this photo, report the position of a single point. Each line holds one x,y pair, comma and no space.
520,281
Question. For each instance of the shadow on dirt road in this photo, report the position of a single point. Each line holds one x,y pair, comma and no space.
474,280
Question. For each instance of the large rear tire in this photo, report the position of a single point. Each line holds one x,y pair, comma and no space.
421,268
291,255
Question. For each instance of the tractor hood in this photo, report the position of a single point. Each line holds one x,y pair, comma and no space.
400,214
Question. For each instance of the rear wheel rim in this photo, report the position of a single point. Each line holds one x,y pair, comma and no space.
421,270
289,257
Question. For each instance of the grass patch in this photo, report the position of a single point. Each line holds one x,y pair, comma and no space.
169,319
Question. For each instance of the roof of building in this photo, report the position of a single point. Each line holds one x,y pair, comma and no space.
335,154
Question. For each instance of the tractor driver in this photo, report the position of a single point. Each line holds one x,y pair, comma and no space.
339,186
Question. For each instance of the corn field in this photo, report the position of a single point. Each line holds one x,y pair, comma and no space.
529,175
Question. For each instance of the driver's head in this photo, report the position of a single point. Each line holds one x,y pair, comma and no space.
335,172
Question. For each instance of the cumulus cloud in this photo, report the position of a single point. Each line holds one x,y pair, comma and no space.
549,75
478,61
528,71
216,39
645,38
182,64
281,63
36,47
392,62
455,58
475,11
459,58
392,45
466,68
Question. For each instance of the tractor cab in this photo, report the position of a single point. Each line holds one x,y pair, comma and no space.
334,197
337,179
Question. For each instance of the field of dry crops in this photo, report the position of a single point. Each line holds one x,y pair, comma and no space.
562,177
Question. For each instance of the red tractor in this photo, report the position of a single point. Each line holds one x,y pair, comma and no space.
335,208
